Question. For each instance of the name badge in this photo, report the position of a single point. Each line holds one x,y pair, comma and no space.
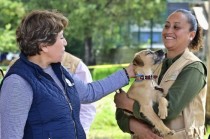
69,82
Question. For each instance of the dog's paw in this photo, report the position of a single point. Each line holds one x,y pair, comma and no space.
164,133
163,113
172,132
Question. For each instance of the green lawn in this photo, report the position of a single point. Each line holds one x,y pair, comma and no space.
104,126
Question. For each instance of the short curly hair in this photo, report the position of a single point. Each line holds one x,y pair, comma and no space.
39,27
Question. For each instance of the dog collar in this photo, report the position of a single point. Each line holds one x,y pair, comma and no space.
140,77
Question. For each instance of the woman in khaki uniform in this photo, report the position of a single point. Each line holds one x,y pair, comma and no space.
182,76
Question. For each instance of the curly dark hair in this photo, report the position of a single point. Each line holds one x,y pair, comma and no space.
197,41
39,27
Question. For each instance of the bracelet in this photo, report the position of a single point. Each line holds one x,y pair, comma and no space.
126,74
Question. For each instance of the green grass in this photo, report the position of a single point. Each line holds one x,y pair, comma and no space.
104,125
207,132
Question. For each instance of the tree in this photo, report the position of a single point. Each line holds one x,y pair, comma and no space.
102,22
98,23
11,13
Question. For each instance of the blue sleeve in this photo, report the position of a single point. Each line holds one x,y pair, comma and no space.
15,102
94,91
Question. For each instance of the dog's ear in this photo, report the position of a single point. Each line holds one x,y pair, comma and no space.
138,61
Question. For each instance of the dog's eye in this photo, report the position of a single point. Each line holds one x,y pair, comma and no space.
149,52
134,64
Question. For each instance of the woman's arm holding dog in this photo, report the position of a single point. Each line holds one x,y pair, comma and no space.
130,124
122,101
142,130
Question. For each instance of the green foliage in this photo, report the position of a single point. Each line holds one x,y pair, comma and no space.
75,47
11,14
7,39
106,23
99,73
207,132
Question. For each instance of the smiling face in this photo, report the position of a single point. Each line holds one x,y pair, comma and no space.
176,33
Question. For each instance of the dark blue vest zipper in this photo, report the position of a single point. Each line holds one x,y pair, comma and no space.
69,102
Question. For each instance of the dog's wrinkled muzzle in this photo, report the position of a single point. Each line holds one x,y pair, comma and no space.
159,56
160,53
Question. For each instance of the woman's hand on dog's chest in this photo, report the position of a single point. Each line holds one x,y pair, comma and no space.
122,101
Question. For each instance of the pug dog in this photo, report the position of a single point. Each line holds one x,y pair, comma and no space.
146,91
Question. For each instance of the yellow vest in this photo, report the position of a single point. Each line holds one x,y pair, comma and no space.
190,122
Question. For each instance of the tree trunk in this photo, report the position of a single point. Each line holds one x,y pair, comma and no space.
89,52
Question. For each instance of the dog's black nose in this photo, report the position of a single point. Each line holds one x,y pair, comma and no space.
160,52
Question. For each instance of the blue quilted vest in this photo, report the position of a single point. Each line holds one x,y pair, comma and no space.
52,115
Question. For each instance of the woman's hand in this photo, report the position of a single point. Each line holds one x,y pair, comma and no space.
130,70
142,130
122,101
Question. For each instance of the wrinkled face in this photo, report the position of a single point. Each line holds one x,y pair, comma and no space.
176,34
147,58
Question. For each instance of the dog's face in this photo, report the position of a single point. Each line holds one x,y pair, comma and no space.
147,59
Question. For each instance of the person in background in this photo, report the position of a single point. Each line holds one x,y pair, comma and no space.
77,67
183,78
39,98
